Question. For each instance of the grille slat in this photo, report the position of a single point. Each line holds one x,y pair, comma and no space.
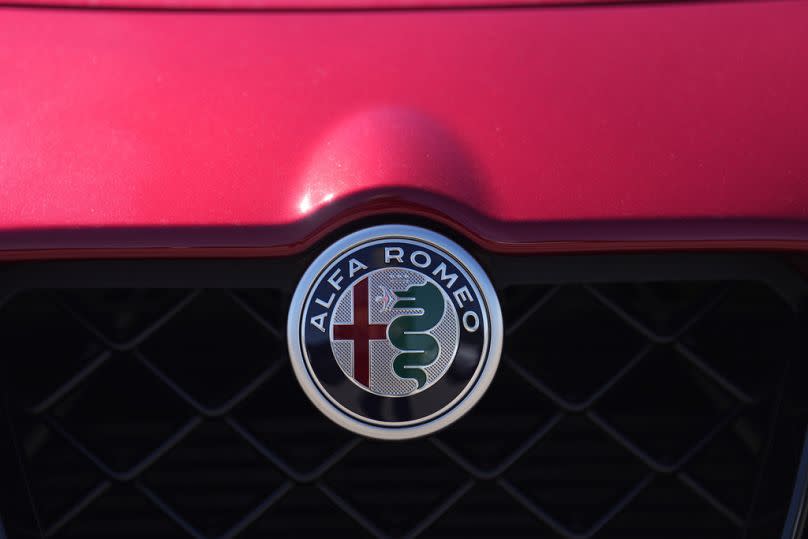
636,407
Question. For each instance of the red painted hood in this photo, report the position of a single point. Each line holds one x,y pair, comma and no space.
303,5
124,129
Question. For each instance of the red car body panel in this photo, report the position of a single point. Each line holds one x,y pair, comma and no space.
532,128
300,5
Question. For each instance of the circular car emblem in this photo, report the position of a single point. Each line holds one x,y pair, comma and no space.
394,332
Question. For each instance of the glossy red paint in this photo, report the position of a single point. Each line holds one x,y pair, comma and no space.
648,126
301,5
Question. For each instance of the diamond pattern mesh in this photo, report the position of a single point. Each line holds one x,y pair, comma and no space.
620,410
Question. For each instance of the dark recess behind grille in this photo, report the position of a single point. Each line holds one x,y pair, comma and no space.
639,396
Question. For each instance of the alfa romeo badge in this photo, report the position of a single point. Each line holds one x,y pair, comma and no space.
394,332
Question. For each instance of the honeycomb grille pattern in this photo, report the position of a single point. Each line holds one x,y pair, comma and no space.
620,410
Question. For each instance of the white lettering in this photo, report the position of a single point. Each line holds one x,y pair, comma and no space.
393,253
426,259
471,326
319,321
461,293
322,303
334,281
451,277
353,266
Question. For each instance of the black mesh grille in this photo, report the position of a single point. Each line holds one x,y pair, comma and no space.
638,397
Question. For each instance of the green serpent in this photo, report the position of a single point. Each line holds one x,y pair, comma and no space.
407,332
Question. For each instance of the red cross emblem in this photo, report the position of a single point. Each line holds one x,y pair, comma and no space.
361,332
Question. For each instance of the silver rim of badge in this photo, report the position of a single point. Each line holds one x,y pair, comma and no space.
383,405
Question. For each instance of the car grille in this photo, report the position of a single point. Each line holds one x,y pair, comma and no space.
639,396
